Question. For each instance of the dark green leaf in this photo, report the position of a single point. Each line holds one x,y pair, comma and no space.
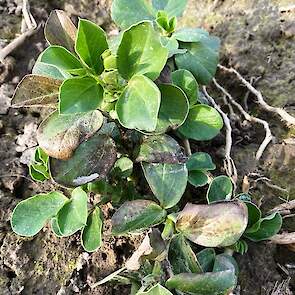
91,42
136,215
200,161
73,215
172,7
59,135
59,30
47,70
167,181
215,225
197,178
34,90
220,189
141,52
203,123
91,235
30,215
182,257
187,82
138,105
92,160
254,214
225,262
79,95
206,259
126,13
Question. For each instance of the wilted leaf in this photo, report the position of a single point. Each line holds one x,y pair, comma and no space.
220,189
91,235
59,30
138,105
73,215
203,123
156,290
215,225
59,135
197,178
30,215
167,181
206,258
92,160
200,161
34,90
181,256
213,283
136,215
160,149
141,52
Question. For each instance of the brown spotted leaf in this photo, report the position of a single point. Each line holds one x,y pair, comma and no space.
215,225
35,90
60,134
59,30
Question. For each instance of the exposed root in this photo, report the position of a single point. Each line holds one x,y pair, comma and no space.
268,135
285,117
229,164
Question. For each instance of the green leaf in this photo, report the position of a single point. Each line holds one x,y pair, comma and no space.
171,44
138,105
59,135
199,59
203,123
187,82
35,90
215,283
60,57
50,71
59,30
206,259
40,156
181,256
91,42
220,189
136,215
254,214
30,215
160,149
55,228
125,13
167,181
215,225
197,178
200,161
123,167
225,262
172,7
36,174
79,95
42,169
156,290
91,235
73,215
240,247
174,108
92,160
141,52
266,228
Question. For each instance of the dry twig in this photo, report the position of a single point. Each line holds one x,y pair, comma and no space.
285,117
268,135
284,238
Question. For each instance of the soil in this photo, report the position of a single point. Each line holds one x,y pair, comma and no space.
258,40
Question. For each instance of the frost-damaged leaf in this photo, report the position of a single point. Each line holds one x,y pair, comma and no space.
138,105
91,235
182,257
213,283
174,108
126,13
214,225
220,189
35,90
156,290
47,70
91,42
172,7
200,161
92,160
203,123
141,52
167,181
59,30
59,135
30,215
160,149
80,95
136,215
73,215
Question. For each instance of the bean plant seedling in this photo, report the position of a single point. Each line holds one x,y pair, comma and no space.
122,107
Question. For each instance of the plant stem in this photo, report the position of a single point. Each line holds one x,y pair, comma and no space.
187,147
